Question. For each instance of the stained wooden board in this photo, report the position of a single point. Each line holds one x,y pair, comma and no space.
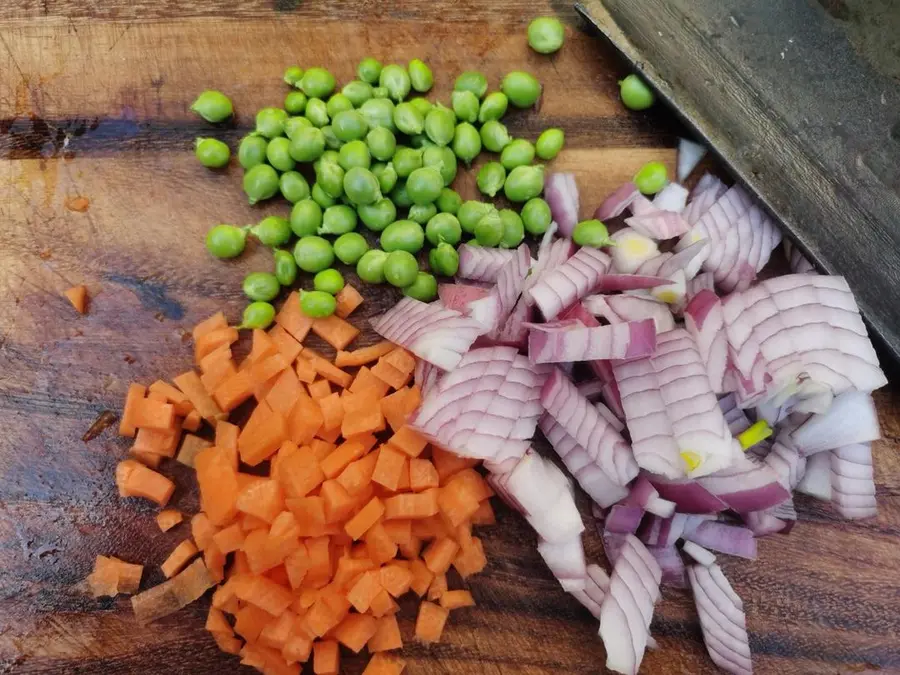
94,113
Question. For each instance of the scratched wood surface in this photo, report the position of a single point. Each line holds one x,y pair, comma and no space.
98,185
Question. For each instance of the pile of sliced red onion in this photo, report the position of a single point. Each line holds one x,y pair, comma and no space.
687,398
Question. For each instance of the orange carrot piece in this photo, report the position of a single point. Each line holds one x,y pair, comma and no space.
234,390
190,447
77,295
329,436
214,560
192,421
218,371
264,432
484,515
383,604
202,530
249,522
411,506
173,594
292,318
439,555
389,467
332,412
448,464
320,619
262,347
355,631
365,379
383,663
357,475
149,459
397,407
135,480
268,367
150,413
284,392
217,623
261,556
112,576
229,539
264,593
213,340
262,499
409,441
191,385
326,369
275,634
326,658
363,355
430,622
285,342
379,545
361,416
161,442
250,621
396,579
338,503
299,645
387,635
178,558
215,322
337,461
402,360
227,435
385,372
457,505
422,577
471,482
300,474
321,448
434,527
319,389
136,393
296,566
438,587
305,419
183,406
305,370
422,475
359,524
347,299
457,599
218,485
364,591
335,331
400,531
471,560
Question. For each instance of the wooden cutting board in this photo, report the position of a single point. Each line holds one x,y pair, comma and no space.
98,185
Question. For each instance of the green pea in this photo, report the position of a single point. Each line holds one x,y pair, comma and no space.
306,218
260,183
549,143
422,213
252,150
420,142
320,197
285,267
307,144
424,288
262,286
378,215
420,75
328,281
317,83
350,247
471,81
272,231
400,196
522,89
386,175
226,241
317,112
513,229
443,227
424,185
444,260
317,303
358,92
212,153
448,201
270,122
349,125
406,160
293,75
422,104
327,157
378,112
536,216
466,142
293,124
382,143
440,124
313,254
213,106
523,183
635,94
490,178
295,102
470,213
258,315
338,103
408,119
546,34
293,186
361,186
330,177
442,159
591,233
370,267
369,69
493,107
332,142
400,269
489,230
396,80
403,235
338,219
651,178
495,136
354,153
278,153
465,105
380,92
517,153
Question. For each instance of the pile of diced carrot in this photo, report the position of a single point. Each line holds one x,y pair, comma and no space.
354,510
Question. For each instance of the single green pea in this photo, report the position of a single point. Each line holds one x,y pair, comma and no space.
440,125
471,81
358,92
295,102
424,288
306,218
651,178
470,213
293,75
400,268
635,94
350,247
213,106
442,159
338,103
493,107
212,153
466,142
489,230
378,112
444,260
536,216
382,143
424,185
327,157
328,281
369,69
226,241
361,186
307,144
408,119
549,143
332,142
406,160
400,196
403,235
370,267
522,89
421,213
386,175
317,83
591,233
355,153
262,286
490,178
349,125
378,215
495,136
330,177
380,92
313,254
423,105
338,219
317,112
546,34
270,122
293,124
517,153
272,231
396,80
523,183
252,150
465,105
448,201
317,303
320,197
293,186
420,75
420,142
285,267
278,152
513,229
258,315
443,227
260,183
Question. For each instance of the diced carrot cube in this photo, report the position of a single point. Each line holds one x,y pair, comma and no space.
284,392
457,599
402,360
349,569
381,548
193,388
292,318
396,579
190,448
136,393
264,432
162,442
456,504
230,538
217,368
299,645
389,467
235,390
484,515
364,591
264,593
383,663
192,421
213,340
285,342
262,499
335,331
183,405
168,518
355,631
227,436
422,577
77,295
438,587
250,621
383,604
422,475
338,503
400,531
365,379
430,622
411,506
387,635
347,299
321,448
299,474
178,558
363,355
332,412
433,527
471,560
202,530
326,369
214,322
304,420
305,370
409,441
349,451
296,565
448,464
440,554
135,480
277,631
363,416
309,513
357,475
154,414
319,389
326,658
385,372
397,407
370,514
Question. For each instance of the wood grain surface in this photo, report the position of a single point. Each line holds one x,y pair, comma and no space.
98,185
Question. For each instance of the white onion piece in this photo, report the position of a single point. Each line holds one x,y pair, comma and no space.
659,224
617,202
698,553
852,418
458,296
546,496
853,481
567,344
673,197
430,331
704,319
598,306
492,310
480,263
816,481
785,460
627,609
690,154
722,619
798,263
641,206
566,562
569,282
561,193
746,485
728,539
426,376
703,281
672,293
637,307
514,331
632,249
551,254
703,196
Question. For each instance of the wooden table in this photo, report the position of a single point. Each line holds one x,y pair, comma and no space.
99,186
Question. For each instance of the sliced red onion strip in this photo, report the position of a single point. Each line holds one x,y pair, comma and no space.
612,545
799,264
704,319
728,539
624,519
628,282
643,495
699,554
631,340
738,422
722,619
703,281
426,376
569,282
705,194
514,331
638,307
545,494
659,224
690,154
852,419
746,485
458,296
566,562
480,263
598,306
561,193
688,495
764,523
786,461
492,311
672,565
596,585
853,481
617,202
551,254
816,481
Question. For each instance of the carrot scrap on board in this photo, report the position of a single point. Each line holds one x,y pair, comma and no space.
77,295
430,622
112,576
168,518
384,663
335,331
190,446
172,595
363,355
178,558
347,300
136,480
